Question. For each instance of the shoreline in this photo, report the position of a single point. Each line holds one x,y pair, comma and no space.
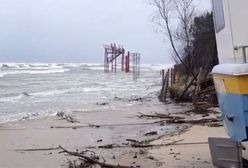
96,129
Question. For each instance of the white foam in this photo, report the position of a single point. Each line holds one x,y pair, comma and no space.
156,67
2,74
49,93
35,94
30,66
96,68
49,66
81,89
11,98
94,89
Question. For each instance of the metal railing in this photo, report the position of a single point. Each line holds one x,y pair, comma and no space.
243,51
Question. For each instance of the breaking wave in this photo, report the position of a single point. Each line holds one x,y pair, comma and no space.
13,98
15,72
42,68
49,93
28,66
26,94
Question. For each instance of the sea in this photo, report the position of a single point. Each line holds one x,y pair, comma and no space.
33,90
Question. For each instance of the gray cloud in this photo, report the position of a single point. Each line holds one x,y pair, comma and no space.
74,30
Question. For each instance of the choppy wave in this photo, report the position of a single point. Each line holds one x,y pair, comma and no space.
48,93
41,68
80,88
26,66
156,67
84,66
14,98
16,72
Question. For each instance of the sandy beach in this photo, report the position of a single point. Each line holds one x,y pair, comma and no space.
123,84
33,143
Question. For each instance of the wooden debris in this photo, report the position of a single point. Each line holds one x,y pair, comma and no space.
198,121
158,115
133,141
172,119
94,126
159,145
105,125
218,124
185,90
205,91
136,145
99,140
150,157
202,105
151,133
102,104
92,160
109,146
37,149
200,111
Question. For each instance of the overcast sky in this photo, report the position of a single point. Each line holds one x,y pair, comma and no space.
74,30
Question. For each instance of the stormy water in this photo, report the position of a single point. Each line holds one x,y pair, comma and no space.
32,90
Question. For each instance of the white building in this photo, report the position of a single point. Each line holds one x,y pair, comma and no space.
231,25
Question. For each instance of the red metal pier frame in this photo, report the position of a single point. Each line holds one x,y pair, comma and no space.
115,57
127,67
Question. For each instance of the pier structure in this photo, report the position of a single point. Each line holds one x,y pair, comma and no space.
112,56
116,59
136,65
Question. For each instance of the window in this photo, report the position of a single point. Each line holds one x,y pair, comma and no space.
218,15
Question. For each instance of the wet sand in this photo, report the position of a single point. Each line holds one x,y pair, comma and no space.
106,127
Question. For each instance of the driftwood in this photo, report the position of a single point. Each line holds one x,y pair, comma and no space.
158,115
185,90
200,111
104,125
94,126
134,145
199,121
174,143
133,141
151,133
205,90
93,161
180,120
137,144
109,146
37,149
102,104
150,145
203,105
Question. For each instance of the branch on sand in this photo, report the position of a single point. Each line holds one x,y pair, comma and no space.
92,160
199,121
158,115
170,119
